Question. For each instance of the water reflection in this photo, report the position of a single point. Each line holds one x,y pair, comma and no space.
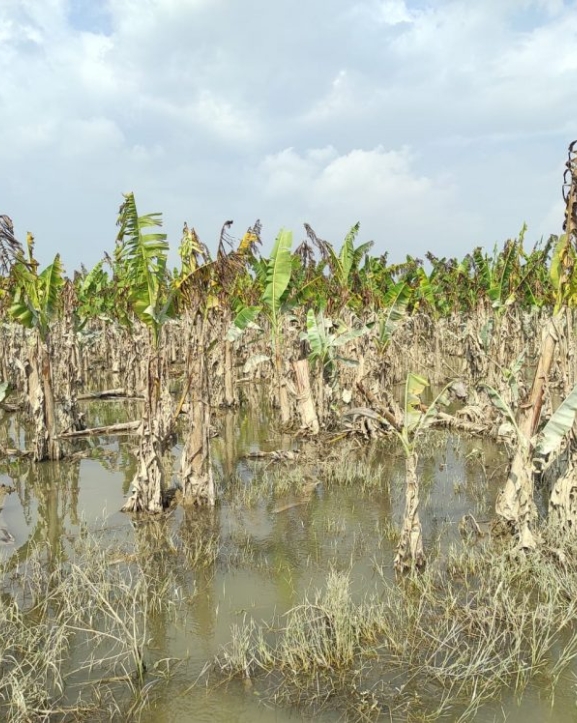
256,555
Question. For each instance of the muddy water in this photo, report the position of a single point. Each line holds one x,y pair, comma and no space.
271,549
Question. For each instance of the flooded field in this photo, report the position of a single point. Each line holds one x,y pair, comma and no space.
195,586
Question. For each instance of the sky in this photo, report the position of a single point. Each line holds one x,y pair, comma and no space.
439,126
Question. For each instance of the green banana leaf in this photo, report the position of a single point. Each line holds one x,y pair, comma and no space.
396,300
142,259
316,335
278,274
52,281
347,256
245,316
36,297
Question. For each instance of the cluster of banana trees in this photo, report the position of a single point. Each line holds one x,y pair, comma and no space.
317,285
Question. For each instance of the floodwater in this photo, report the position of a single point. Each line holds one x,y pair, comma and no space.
270,549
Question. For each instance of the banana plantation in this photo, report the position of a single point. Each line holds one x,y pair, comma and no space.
390,447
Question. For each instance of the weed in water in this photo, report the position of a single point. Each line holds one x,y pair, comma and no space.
437,644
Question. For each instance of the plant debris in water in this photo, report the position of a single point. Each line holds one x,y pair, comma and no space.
438,646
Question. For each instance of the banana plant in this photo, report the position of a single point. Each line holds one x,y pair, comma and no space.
540,452
35,305
278,276
36,296
324,343
563,496
344,266
500,275
561,273
95,294
273,275
410,551
141,264
140,267
515,503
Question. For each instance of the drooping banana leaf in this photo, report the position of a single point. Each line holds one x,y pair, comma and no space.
500,287
4,389
562,262
242,320
36,297
360,251
426,289
562,248
22,311
278,274
558,425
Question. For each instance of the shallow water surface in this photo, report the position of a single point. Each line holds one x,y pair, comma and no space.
269,546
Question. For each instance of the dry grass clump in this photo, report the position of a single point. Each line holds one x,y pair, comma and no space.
340,463
438,646
75,634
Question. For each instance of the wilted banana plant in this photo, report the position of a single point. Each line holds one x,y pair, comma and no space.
410,551
278,275
35,304
515,501
141,259
325,339
206,291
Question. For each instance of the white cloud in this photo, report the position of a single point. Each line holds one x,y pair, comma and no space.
221,117
393,12
379,187
191,102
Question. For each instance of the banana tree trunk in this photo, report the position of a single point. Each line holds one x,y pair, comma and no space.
42,405
196,462
515,503
148,483
148,488
229,396
410,554
309,419
281,384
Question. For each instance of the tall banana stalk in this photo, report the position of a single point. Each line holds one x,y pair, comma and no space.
141,262
35,305
196,462
515,502
410,550
278,275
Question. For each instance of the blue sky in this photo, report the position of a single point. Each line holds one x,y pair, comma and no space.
438,125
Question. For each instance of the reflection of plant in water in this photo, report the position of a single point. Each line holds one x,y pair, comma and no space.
438,648
199,536
87,621
54,487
